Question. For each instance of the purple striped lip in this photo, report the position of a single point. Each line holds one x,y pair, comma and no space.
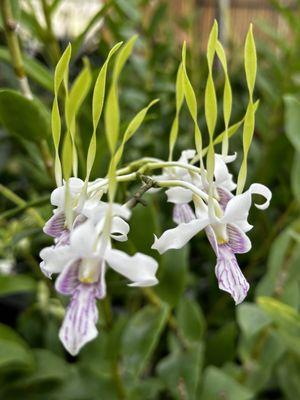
229,275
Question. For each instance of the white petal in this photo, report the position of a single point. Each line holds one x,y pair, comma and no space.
237,209
211,236
55,258
186,155
257,188
176,238
229,158
79,325
140,268
229,275
94,210
119,229
179,195
58,195
222,176
82,239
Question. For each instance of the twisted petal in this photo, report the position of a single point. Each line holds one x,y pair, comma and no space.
55,225
183,213
79,325
186,155
179,195
237,209
140,268
119,229
229,275
176,238
55,259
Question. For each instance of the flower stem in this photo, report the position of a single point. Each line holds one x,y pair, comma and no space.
47,158
53,44
22,205
137,198
10,27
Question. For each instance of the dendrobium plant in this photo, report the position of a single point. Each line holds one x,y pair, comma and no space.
87,223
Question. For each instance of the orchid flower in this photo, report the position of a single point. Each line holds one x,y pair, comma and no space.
226,233
81,266
56,225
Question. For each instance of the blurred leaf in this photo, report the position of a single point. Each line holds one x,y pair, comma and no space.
146,389
141,336
13,350
218,385
286,320
48,367
180,371
295,176
277,258
28,119
11,284
292,121
225,340
79,40
144,216
173,275
288,372
34,69
251,319
190,320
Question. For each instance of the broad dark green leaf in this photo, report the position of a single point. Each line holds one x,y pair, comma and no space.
34,69
14,353
172,275
251,319
292,121
181,370
141,337
217,385
190,320
28,119
11,284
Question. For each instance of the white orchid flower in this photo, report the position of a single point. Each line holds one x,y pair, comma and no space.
81,267
226,233
223,183
56,225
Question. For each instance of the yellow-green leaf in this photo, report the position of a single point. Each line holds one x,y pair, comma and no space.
112,112
60,74
179,102
250,60
97,107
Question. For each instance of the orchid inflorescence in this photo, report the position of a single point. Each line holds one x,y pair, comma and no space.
87,221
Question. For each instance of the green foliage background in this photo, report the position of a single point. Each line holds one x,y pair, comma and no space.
185,339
